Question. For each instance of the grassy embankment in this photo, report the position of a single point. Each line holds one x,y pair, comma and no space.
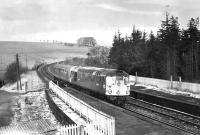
6,102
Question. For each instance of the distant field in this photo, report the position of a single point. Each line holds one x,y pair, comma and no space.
37,52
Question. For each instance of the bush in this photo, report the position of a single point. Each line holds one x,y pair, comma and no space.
1,83
11,72
98,57
76,61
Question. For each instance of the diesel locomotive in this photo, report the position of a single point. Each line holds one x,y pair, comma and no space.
113,84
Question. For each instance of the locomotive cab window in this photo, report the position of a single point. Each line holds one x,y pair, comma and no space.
119,77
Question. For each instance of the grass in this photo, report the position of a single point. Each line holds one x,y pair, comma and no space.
6,113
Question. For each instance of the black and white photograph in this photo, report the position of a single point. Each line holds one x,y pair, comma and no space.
99,67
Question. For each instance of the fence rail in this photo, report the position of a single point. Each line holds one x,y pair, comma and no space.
182,86
97,120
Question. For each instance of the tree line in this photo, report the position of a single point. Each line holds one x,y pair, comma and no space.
172,52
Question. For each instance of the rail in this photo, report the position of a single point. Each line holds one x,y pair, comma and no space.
179,120
100,121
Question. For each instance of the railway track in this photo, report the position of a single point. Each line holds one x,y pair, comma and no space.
174,118
177,102
183,121
42,71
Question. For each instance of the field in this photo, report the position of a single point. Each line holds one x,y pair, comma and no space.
31,53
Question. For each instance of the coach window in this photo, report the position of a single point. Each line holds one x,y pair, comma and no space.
83,75
101,80
93,78
87,76
97,79
90,77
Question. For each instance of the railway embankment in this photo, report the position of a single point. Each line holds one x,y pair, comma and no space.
22,108
6,103
61,117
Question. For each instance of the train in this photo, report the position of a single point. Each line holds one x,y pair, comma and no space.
112,84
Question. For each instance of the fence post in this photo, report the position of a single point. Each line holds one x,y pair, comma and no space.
171,82
113,127
180,83
81,130
135,77
87,115
80,109
26,86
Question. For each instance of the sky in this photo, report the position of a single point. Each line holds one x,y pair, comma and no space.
68,20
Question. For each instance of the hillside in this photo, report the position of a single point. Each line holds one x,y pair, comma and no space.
35,52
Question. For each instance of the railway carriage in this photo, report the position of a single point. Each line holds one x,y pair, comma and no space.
110,82
62,71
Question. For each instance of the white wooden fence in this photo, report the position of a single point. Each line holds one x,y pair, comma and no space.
182,86
97,121
89,129
70,130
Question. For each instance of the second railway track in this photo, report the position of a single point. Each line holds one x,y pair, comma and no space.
177,119
183,121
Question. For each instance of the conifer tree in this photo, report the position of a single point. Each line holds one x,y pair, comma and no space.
190,49
169,35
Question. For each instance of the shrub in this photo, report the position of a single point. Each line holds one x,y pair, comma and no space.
1,83
11,72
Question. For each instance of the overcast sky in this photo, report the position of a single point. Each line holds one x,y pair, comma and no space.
67,20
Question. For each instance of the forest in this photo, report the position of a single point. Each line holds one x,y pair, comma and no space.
171,52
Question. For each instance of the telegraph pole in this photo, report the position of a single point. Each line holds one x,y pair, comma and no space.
1,60
26,62
18,73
